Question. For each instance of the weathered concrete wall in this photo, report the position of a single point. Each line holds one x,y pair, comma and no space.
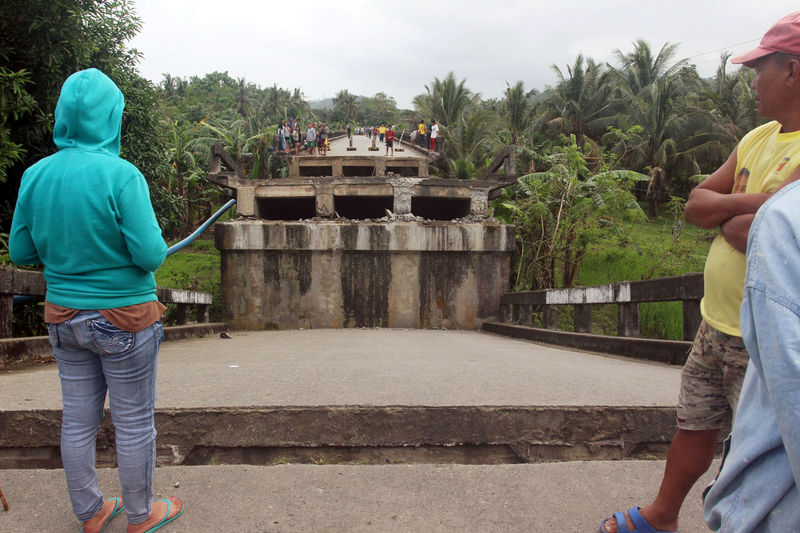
362,274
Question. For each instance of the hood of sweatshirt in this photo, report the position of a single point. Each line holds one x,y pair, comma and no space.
89,113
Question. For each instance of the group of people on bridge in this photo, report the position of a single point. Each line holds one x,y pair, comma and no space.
290,135
426,136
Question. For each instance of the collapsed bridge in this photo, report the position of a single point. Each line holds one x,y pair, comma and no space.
362,241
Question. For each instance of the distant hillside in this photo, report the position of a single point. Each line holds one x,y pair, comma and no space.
325,103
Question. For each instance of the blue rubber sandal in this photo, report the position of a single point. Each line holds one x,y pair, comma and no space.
642,525
118,508
165,520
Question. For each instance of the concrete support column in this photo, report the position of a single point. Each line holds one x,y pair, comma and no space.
182,314
6,315
479,204
628,320
294,167
583,318
338,167
402,199
423,167
246,201
526,315
324,198
550,317
691,319
380,166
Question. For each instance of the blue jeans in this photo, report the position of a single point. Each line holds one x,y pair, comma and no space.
94,357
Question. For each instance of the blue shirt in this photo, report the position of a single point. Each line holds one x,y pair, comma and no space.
757,487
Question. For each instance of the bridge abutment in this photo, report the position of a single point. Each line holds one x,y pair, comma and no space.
333,274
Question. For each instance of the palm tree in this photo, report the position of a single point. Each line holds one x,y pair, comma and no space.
469,141
183,147
168,84
298,105
654,95
580,103
516,110
245,96
345,103
385,107
276,103
640,69
445,100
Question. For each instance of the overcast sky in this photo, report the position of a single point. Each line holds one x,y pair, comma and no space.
398,47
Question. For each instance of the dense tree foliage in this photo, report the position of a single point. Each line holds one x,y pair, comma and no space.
42,42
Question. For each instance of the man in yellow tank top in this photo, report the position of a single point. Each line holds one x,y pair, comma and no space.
766,159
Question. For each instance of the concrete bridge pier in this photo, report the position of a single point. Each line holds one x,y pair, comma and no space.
333,274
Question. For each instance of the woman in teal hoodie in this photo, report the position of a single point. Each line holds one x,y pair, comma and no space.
85,214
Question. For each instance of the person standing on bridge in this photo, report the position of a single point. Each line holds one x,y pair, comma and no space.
85,213
421,134
757,487
323,138
390,140
434,134
765,160
311,138
381,132
296,137
282,135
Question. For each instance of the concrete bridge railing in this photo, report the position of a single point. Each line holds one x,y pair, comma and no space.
516,316
14,281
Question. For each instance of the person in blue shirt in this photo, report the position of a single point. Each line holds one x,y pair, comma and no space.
757,487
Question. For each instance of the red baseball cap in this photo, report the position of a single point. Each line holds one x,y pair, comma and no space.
783,36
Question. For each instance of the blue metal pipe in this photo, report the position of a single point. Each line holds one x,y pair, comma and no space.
188,240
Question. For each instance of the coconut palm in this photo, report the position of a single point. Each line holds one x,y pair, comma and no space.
639,69
580,103
245,96
345,103
516,110
654,96
445,100
469,140
276,103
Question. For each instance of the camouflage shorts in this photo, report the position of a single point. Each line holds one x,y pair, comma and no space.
711,380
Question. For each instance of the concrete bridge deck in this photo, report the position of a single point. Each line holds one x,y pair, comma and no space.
362,144
375,367
444,379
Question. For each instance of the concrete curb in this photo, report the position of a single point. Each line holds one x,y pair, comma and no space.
261,435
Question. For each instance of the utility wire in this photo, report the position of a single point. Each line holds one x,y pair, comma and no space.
723,48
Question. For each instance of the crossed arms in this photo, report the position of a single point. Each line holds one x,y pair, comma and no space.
711,204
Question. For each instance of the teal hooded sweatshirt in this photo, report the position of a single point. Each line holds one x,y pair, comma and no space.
84,212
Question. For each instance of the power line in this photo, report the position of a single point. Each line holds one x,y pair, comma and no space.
723,48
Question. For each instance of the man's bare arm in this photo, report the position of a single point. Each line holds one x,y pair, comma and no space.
711,203
736,229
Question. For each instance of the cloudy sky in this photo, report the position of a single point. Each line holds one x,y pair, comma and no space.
398,47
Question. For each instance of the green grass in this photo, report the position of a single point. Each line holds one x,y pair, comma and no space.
649,250
195,268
